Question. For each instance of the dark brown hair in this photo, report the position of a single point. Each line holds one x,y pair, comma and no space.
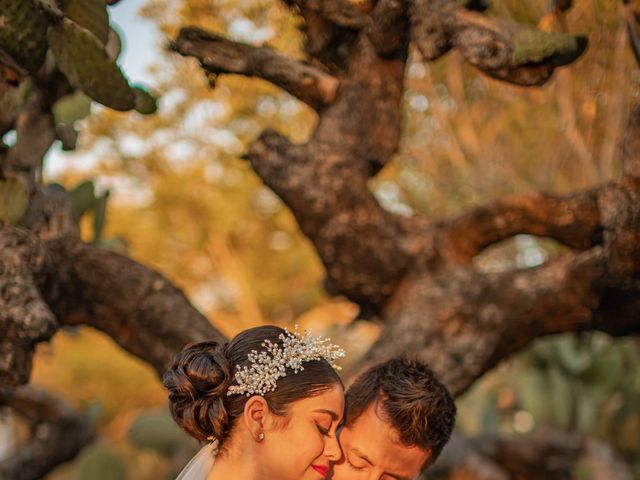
407,394
202,372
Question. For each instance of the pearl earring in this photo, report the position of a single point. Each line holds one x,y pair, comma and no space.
260,436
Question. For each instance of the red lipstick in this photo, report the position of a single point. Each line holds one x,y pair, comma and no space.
321,469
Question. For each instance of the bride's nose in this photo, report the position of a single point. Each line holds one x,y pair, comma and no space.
332,449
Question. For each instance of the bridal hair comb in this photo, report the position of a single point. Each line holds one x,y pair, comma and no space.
268,366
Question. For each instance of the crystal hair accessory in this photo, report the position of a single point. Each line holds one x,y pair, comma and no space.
270,365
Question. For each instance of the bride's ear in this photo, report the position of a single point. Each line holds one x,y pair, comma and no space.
255,416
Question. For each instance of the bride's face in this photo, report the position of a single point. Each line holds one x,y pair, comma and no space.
300,446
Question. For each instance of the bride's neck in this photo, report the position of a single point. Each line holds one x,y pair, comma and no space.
237,461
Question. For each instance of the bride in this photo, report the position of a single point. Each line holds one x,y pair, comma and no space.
267,405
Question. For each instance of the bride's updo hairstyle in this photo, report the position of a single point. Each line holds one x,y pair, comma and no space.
201,374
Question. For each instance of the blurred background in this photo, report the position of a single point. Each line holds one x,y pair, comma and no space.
182,201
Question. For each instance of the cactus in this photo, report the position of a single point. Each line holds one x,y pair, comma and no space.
14,199
90,14
531,45
100,213
84,61
71,108
156,431
23,35
145,102
83,197
100,463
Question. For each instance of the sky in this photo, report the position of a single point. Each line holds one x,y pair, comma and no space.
141,40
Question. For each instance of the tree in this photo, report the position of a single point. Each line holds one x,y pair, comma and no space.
414,274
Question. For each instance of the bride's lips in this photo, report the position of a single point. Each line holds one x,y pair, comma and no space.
321,469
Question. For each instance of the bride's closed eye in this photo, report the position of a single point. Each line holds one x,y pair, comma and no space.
322,430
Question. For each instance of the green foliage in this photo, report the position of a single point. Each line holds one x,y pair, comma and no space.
23,31
84,61
99,462
85,200
589,384
14,199
156,431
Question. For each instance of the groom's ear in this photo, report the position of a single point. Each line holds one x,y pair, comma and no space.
255,413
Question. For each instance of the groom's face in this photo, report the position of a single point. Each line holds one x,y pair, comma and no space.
371,450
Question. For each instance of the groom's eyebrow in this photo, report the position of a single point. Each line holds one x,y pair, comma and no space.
331,413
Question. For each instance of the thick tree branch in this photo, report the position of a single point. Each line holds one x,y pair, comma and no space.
49,277
219,55
341,13
631,145
388,28
544,454
139,308
25,318
572,220
57,434
488,317
360,244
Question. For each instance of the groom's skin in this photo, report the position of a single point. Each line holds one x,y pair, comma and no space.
372,451
396,396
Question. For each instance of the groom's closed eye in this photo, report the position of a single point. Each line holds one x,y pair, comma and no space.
354,465
358,460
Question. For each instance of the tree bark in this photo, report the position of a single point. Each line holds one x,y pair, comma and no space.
58,433
416,274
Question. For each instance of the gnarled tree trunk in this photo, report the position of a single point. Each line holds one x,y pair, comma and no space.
415,273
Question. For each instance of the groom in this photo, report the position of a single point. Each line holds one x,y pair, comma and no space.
398,418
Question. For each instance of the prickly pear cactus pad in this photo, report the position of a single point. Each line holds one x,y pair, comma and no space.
23,33
82,58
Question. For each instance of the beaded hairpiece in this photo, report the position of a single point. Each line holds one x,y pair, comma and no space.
270,365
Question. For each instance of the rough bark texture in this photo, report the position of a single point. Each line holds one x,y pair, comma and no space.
58,433
416,274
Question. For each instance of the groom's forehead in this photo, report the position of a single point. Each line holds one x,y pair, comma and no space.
374,437
372,421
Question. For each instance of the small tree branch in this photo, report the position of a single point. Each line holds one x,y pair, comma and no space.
36,132
219,55
508,51
57,434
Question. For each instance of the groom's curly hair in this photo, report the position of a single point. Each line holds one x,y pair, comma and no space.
405,393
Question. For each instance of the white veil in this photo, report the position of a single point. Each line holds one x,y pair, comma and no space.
200,465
